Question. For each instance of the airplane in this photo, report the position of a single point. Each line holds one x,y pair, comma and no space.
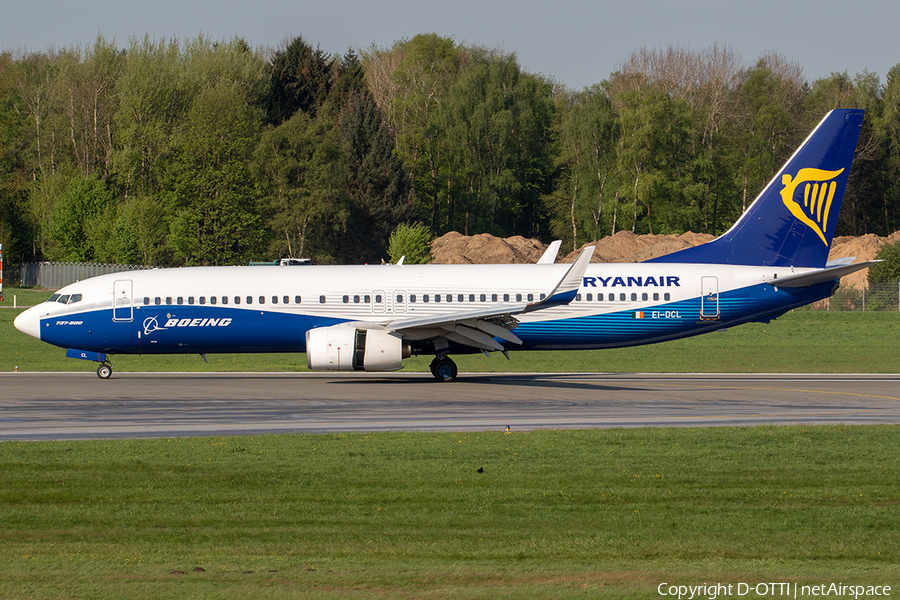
371,317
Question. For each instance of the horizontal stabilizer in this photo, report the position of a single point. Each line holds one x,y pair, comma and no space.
847,260
819,276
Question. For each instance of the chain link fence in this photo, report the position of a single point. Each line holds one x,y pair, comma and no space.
882,297
54,275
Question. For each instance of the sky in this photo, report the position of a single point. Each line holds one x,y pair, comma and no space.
577,42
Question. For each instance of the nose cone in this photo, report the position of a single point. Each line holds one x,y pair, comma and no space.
30,322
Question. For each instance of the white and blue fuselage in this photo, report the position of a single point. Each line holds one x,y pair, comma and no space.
270,308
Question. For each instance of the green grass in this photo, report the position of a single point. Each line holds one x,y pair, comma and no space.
802,341
563,514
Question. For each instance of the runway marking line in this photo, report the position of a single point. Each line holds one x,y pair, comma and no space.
737,387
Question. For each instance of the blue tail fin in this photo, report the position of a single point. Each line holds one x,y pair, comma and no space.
792,221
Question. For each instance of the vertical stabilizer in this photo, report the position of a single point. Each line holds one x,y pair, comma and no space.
791,223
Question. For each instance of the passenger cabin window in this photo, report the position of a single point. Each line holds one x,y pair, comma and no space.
483,298
656,295
202,299
190,299
321,299
377,298
622,297
180,300
506,297
237,299
530,297
262,299
274,299
425,298
460,298
412,297
667,296
249,299
346,299
589,297
437,297
157,300
518,297
356,299
212,299
399,298
224,299
633,296
297,299
286,299
146,301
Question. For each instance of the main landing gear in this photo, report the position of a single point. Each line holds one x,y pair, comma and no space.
443,368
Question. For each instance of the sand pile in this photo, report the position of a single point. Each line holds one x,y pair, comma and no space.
625,246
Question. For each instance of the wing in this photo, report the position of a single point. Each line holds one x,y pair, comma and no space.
478,327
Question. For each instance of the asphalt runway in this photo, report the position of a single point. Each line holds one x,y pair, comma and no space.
35,406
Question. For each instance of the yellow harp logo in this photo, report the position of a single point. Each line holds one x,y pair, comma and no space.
818,192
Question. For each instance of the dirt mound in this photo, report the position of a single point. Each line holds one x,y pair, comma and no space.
660,249
863,248
456,249
625,246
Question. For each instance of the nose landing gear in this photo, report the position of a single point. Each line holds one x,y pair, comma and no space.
104,371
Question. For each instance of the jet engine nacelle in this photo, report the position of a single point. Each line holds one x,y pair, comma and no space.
340,348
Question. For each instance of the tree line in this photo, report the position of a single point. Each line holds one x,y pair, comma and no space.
200,152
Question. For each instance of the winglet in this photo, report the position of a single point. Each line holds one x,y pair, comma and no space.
549,255
568,286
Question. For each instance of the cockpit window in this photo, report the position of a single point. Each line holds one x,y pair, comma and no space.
74,298
63,299
53,298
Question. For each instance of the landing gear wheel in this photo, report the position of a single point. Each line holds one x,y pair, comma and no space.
444,369
104,371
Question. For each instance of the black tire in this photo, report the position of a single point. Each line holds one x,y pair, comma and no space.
104,371
444,369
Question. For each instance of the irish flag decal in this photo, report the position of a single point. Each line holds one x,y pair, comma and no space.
638,314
